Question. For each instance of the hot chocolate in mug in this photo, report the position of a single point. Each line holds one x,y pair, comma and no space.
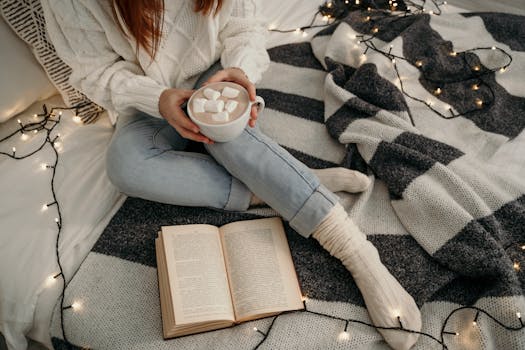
221,110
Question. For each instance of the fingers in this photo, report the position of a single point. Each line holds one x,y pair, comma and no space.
253,116
235,75
186,128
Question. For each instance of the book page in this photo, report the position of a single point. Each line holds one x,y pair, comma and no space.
197,274
260,268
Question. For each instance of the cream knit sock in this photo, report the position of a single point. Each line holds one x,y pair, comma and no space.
384,297
342,179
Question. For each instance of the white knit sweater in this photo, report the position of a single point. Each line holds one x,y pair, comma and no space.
106,68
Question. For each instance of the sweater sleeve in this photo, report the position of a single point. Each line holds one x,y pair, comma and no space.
103,63
244,40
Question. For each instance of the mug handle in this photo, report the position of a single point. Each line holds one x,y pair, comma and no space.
259,102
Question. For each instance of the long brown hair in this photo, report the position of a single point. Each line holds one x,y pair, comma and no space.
144,19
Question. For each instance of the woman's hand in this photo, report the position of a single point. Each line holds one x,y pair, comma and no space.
169,107
237,75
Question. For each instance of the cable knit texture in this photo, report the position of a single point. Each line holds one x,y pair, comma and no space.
384,297
107,69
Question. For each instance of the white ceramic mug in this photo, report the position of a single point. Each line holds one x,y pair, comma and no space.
227,131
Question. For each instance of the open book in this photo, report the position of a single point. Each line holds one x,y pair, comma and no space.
214,277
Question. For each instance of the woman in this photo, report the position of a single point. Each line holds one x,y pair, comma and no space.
139,59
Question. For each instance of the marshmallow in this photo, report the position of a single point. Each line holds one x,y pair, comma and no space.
231,105
211,94
230,92
220,117
214,106
198,105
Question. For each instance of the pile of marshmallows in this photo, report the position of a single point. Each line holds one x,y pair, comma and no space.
220,110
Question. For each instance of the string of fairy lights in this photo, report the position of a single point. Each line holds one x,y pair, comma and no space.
45,123
331,13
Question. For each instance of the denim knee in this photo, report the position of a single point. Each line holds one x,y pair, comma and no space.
123,159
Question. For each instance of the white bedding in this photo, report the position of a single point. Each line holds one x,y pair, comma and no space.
87,200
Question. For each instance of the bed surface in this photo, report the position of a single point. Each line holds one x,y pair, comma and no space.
89,202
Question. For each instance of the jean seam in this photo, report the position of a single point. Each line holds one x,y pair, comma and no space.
280,156
229,193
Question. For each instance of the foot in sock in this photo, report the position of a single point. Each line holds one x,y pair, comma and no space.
384,297
336,180
342,179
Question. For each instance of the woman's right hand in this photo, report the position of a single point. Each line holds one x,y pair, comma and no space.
170,102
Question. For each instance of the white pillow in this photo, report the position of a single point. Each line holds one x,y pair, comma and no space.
23,81
26,18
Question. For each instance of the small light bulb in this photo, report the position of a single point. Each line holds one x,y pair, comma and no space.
474,323
357,2
431,12
76,306
325,18
343,336
375,30
518,314
35,131
329,5
523,247
19,121
429,103
50,281
77,119
493,47
479,102
367,18
419,63
44,208
437,91
255,329
453,53
393,60
14,149
444,2
35,116
517,266
476,68
475,87
24,137
298,30
60,113
502,70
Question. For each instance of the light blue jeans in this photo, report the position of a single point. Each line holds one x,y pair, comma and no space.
147,159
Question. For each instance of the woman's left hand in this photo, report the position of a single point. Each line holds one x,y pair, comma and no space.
237,75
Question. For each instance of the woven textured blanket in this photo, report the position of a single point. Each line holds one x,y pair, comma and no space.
432,108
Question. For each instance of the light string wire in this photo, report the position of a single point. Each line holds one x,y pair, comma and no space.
441,341
475,79
47,121
334,11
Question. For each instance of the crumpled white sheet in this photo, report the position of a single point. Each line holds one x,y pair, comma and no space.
28,234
